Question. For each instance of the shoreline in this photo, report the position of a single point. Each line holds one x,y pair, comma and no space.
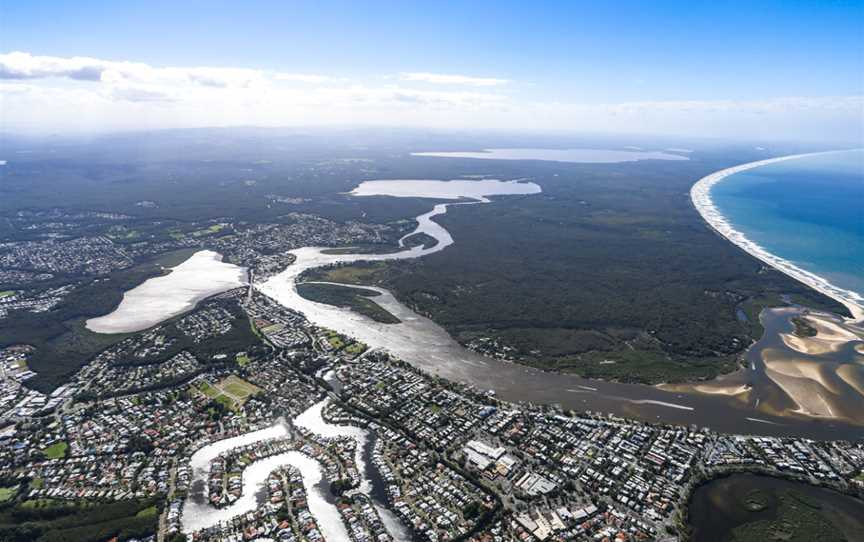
425,345
700,196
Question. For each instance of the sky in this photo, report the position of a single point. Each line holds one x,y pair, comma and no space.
763,70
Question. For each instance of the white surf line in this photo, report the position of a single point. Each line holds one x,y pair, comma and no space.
660,403
700,194
759,420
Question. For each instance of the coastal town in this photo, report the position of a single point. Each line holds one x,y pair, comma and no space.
238,417
314,271
57,253
399,454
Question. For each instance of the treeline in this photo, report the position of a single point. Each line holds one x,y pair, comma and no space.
342,296
611,259
62,342
54,521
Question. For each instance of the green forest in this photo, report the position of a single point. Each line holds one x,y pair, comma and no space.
609,273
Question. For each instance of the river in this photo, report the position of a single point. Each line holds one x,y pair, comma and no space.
426,345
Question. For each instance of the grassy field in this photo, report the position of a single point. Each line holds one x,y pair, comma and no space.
238,387
336,342
6,493
232,391
207,389
56,450
368,274
226,401
211,230
148,512
355,349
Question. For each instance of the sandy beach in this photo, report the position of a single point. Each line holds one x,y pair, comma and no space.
700,194
730,385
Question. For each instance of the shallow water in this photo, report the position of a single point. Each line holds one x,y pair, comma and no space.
160,298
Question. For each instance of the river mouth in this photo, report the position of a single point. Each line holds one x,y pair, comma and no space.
820,377
750,507
426,345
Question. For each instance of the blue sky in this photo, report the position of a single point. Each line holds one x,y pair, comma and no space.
562,65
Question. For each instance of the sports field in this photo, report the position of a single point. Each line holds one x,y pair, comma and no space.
232,391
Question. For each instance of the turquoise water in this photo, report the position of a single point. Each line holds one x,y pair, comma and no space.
809,211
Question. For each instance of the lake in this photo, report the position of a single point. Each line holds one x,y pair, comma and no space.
584,156
160,298
749,507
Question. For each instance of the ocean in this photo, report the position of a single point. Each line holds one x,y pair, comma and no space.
808,211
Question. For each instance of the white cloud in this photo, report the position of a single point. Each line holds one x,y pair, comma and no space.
452,79
43,93
141,94
18,65
307,78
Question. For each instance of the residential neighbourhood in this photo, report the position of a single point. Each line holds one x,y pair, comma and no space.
449,461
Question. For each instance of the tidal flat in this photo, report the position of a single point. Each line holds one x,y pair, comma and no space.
819,376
